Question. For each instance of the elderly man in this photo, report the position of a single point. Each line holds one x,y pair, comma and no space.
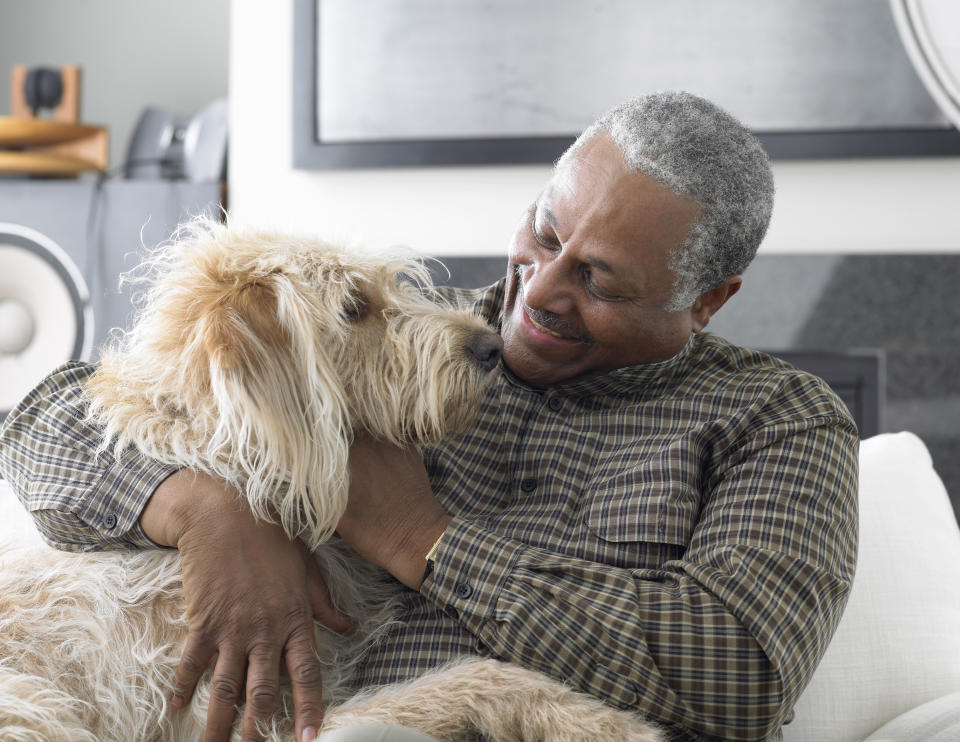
642,510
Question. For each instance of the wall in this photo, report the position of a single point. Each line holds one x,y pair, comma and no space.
865,206
860,253
170,54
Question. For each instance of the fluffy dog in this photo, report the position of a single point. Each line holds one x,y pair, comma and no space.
256,357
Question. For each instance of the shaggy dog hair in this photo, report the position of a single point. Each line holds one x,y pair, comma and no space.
256,357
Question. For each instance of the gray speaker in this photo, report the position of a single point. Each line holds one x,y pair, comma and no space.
63,246
168,145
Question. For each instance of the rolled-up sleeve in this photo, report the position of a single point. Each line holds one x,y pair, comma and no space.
82,498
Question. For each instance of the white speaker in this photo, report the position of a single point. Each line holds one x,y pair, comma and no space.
63,246
45,313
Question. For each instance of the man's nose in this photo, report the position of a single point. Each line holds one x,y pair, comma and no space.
546,284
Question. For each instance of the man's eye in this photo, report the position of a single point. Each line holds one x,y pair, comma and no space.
597,291
541,238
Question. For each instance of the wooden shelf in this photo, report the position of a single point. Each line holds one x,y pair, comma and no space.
45,147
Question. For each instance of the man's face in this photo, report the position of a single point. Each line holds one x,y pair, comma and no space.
588,280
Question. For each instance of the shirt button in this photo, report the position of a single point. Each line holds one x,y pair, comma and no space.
529,484
109,521
463,590
555,403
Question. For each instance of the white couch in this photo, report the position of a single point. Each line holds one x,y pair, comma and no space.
892,672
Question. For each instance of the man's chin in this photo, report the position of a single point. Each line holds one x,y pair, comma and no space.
529,366
538,378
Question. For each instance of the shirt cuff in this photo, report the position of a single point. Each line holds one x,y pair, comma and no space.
470,568
114,506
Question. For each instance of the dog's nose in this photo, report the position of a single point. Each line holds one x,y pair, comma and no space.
484,348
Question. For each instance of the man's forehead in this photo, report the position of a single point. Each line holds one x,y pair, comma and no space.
573,182
575,186
599,165
595,159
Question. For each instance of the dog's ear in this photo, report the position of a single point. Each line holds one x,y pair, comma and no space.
282,414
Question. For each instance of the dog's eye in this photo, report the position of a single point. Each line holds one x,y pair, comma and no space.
355,308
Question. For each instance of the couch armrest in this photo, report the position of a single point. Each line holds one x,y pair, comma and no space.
934,721
898,644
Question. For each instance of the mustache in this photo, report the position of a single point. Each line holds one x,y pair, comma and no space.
549,320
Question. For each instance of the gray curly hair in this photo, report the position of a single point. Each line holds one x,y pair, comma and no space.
696,149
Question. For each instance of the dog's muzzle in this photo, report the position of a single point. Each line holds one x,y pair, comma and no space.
484,349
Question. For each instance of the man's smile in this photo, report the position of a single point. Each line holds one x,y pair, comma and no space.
545,330
537,323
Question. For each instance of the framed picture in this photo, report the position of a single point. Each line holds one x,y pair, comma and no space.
382,83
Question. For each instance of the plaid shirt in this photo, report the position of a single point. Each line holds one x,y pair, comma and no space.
677,538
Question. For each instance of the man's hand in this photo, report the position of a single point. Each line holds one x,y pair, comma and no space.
392,517
251,596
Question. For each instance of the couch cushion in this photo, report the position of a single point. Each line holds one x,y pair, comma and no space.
898,644
936,721
16,525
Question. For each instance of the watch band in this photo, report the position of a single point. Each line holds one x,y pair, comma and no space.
431,555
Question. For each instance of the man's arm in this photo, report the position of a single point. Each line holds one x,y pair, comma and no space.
81,497
251,596
251,592
717,642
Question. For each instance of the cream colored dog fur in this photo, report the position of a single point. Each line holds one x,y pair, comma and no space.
256,357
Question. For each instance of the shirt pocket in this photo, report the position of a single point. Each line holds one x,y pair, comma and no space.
638,506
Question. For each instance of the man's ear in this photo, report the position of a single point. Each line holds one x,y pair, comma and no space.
710,301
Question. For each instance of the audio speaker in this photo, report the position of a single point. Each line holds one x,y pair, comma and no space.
165,145
36,89
63,246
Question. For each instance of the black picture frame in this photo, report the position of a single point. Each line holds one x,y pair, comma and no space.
310,151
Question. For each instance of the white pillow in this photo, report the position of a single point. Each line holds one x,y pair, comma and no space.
16,525
898,644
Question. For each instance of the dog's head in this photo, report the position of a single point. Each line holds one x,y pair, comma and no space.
256,355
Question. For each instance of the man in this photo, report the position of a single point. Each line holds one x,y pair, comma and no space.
642,510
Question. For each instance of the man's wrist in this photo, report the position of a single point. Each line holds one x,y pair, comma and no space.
411,564
164,517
